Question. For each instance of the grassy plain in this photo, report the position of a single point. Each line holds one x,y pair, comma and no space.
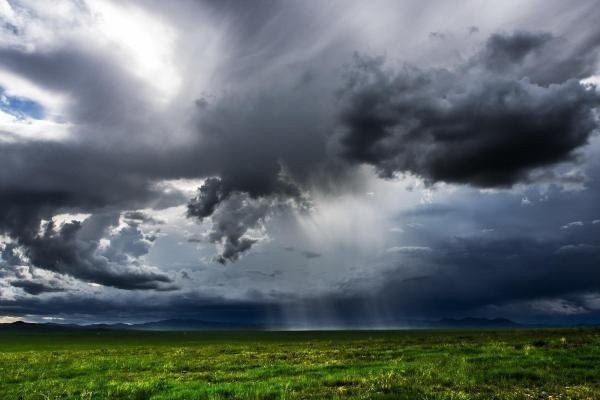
411,365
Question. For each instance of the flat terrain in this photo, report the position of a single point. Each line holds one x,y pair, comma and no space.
519,364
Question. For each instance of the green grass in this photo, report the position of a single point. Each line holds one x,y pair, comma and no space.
521,364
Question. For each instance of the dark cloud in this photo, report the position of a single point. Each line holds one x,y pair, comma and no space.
485,123
91,174
458,277
310,254
35,287
107,166
268,139
183,305
185,275
256,118
210,194
527,258
273,168
31,280
507,52
470,274
141,217
238,203
49,184
231,221
74,249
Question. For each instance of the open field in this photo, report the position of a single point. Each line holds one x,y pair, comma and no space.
521,364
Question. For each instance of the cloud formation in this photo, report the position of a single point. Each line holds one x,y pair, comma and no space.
74,249
127,128
488,122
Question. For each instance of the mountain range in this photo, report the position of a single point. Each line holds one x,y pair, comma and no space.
201,325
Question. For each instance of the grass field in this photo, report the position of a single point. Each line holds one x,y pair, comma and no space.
521,364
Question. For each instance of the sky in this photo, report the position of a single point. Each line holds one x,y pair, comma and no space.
299,164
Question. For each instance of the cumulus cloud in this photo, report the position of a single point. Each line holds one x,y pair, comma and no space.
74,249
417,120
233,216
488,122
476,123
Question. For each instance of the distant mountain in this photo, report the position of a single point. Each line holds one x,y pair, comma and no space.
22,326
190,325
200,325
164,325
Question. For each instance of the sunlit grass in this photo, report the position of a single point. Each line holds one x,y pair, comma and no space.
542,364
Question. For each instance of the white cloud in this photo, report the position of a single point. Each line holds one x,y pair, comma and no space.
13,129
17,86
572,225
144,42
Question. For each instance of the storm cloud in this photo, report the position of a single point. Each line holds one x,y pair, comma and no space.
74,249
35,287
487,122
419,167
